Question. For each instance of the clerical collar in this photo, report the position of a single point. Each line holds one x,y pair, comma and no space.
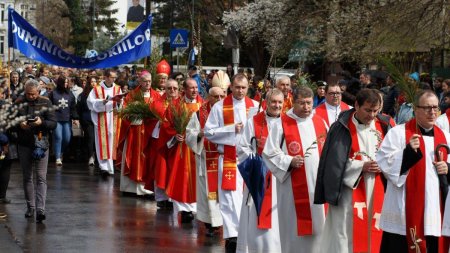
188,100
426,132
267,113
357,120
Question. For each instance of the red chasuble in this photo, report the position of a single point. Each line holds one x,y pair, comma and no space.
103,138
321,110
138,139
298,175
229,156
261,132
360,219
181,161
415,192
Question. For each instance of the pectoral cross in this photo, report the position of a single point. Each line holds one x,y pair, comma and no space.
229,176
359,206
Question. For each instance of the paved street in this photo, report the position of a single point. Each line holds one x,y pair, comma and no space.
88,214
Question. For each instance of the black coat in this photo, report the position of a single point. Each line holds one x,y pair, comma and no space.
41,107
334,159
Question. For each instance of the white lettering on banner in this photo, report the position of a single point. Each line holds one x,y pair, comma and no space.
359,206
33,39
138,40
47,46
14,27
102,56
377,216
129,44
124,46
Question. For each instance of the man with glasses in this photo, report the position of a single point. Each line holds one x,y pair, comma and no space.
206,159
180,159
158,163
103,101
349,179
411,216
333,105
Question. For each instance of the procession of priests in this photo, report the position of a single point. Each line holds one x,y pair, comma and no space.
282,174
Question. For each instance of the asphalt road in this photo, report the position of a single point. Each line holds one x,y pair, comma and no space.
86,213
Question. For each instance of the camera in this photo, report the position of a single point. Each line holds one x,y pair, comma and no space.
30,120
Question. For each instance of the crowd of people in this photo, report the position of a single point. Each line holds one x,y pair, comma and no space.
350,166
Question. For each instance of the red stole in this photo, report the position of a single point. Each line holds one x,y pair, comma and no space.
261,132
321,110
359,202
229,156
102,123
447,113
211,154
298,175
415,191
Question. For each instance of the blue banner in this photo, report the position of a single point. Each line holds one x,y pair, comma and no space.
31,43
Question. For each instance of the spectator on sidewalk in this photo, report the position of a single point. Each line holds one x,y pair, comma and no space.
33,146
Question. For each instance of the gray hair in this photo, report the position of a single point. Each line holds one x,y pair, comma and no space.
32,83
282,78
272,93
423,93
142,77
302,91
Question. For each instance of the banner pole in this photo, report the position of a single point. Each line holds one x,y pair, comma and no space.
9,73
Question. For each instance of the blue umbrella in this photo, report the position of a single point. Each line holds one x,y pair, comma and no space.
254,172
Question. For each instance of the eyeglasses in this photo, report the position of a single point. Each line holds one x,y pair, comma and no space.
334,94
171,88
179,79
433,108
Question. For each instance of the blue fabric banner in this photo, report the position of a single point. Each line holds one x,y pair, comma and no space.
31,43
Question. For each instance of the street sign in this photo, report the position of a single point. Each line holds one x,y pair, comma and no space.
178,38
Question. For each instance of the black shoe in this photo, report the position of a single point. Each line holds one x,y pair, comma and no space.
29,213
5,201
230,245
104,174
186,217
40,216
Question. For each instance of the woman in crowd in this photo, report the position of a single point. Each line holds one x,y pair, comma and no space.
65,112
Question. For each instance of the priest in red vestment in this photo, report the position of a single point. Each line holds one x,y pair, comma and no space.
134,139
181,185
333,105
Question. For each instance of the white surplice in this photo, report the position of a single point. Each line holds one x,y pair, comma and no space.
97,106
332,112
442,123
278,161
252,239
389,158
338,232
229,201
128,185
207,210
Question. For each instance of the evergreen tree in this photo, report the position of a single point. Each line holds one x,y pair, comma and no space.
84,33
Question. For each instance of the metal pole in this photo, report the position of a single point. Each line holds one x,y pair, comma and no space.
93,24
9,73
178,60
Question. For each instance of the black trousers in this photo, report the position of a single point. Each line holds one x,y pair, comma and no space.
89,141
5,171
394,243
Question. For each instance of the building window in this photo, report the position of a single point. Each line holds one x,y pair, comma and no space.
2,44
2,12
